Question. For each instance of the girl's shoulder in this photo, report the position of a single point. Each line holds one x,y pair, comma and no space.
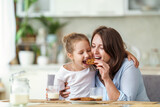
67,66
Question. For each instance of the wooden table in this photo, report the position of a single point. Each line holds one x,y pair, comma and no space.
44,103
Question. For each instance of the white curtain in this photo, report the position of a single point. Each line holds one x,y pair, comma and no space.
7,38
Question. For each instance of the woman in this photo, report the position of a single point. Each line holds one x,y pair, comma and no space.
118,76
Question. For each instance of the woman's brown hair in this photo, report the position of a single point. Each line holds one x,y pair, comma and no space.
113,45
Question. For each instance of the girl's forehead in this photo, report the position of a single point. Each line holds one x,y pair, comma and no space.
81,45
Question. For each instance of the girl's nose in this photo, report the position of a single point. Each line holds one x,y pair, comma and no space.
86,54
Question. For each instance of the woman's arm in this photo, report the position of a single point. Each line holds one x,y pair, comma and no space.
111,89
132,57
129,84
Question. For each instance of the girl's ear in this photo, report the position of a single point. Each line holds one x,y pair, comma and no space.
70,56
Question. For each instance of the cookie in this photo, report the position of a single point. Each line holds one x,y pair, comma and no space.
75,99
87,99
90,61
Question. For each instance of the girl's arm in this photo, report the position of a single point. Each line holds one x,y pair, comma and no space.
64,92
132,57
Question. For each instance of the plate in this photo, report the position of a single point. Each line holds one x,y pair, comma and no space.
83,102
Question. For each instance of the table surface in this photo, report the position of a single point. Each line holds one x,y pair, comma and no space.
44,103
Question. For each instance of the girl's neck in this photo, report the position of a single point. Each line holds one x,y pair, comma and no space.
73,67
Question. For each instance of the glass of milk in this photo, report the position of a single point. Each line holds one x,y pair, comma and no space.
53,92
19,92
96,93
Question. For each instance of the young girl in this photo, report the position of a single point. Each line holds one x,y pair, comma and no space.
79,75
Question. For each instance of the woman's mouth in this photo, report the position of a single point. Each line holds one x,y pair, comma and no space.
98,58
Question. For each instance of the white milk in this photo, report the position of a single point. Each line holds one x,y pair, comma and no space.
97,97
17,99
53,95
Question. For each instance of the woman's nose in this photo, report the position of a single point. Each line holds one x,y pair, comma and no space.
95,51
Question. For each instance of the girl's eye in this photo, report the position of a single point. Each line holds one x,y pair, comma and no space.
80,52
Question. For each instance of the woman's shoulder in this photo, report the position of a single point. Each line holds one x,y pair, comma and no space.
128,66
127,63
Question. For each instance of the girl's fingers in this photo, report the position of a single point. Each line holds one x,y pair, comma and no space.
65,96
67,87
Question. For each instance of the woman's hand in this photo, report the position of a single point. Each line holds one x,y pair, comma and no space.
132,57
103,68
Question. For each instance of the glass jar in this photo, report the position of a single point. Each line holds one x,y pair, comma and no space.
154,57
19,91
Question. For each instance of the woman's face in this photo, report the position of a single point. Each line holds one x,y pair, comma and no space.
98,50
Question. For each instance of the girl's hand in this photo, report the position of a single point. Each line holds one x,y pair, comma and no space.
132,57
64,92
103,68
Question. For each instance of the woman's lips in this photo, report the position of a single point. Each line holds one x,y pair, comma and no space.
97,58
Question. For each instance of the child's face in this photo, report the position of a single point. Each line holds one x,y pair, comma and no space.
81,52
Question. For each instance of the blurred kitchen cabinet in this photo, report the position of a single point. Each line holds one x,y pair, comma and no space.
89,8
106,8
142,7
41,7
71,7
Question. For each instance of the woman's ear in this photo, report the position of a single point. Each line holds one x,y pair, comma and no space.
70,56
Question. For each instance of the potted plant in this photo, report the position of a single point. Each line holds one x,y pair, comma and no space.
52,25
27,34
25,31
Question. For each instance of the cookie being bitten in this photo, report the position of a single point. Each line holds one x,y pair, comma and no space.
90,61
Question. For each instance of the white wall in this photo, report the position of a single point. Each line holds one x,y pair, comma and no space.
140,31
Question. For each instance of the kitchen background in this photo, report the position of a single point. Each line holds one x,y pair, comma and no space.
138,22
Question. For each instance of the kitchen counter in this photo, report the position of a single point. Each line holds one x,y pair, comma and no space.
53,68
38,76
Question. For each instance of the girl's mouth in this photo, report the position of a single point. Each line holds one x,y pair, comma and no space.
84,61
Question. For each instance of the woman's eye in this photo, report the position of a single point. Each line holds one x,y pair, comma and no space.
93,46
101,47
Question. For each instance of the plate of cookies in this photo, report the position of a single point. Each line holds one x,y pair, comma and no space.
83,100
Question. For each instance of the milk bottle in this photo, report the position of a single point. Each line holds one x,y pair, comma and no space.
19,91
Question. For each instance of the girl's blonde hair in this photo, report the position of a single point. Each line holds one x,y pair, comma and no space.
70,39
